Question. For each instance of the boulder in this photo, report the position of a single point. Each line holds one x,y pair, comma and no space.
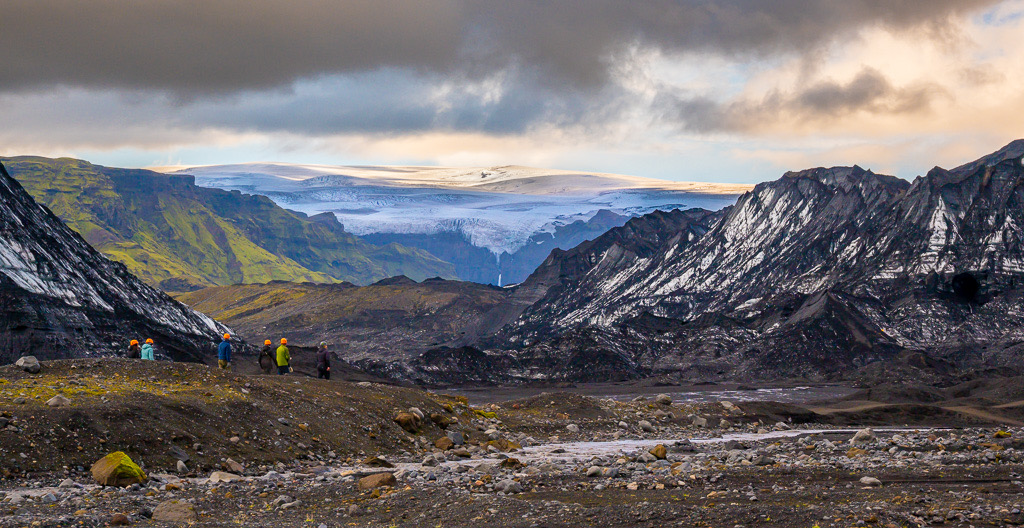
870,482
181,467
511,463
457,437
444,443
175,511
440,420
683,446
659,451
855,452
409,422
504,444
646,426
178,453
223,476
376,481
377,462
572,428
234,467
29,364
119,519
864,436
58,401
595,471
663,399
117,469
508,486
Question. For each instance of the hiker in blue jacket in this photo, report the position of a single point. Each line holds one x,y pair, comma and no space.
147,350
224,352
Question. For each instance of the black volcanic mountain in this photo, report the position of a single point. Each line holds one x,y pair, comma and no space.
181,237
818,273
60,298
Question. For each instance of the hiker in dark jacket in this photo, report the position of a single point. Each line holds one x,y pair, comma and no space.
224,352
134,352
268,358
323,362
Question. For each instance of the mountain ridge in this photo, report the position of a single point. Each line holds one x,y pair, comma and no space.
62,298
179,236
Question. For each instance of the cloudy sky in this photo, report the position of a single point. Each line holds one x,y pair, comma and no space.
730,90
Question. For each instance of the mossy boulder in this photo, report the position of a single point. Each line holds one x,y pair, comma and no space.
408,421
503,444
377,481
117,469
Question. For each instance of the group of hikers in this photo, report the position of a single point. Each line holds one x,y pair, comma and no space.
143,352
269,357
281,357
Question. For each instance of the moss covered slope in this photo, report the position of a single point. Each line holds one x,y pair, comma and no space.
181,237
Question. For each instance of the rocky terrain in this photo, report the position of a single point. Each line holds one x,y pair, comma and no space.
180,237
60,298
222,449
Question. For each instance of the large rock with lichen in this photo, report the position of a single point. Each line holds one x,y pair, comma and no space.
117,469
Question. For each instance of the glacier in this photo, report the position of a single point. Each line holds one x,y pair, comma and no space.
498,208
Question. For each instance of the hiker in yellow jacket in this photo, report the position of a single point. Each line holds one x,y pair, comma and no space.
284,359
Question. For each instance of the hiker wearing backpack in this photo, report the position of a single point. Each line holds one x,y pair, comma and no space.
323,362
284,359
224,352
134,352
268,358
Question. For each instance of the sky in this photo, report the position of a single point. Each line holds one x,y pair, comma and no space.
735,91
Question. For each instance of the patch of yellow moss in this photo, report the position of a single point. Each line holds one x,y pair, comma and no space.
89,388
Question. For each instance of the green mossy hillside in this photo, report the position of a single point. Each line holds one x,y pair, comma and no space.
180,237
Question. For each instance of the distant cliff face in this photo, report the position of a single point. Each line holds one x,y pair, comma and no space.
180,237
60,298
816,274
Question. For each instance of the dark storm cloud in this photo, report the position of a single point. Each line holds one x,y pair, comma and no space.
223,46
869,91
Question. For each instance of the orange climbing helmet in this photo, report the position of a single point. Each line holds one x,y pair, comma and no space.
149,341
227,336
134,342
267,342
284,341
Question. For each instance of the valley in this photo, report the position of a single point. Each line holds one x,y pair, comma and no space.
836,336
